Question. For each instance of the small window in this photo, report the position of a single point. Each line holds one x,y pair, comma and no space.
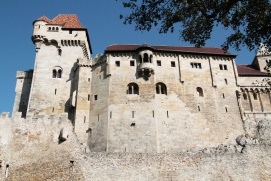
54,73
159,63
59,73
223,95
55,91
195,65
88,97
226,109
161,88
132,63
255,96
56,28
146,58
84,119
200,92
172,64
223,67
133,114
88,79
95,97
226,81
117,63
199,108
132,88
70,31
49,28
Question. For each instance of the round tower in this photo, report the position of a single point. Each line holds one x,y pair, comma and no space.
39,31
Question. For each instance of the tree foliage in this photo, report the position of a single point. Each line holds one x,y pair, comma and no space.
248,20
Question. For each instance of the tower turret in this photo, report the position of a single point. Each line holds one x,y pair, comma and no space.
39,31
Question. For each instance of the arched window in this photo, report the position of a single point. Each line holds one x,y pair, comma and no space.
145,57
54,73
200,92
49,28
245,96
53,28
161,88
56,28
59,73
255,96
132,88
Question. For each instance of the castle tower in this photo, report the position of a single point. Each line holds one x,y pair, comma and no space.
262,58
59,42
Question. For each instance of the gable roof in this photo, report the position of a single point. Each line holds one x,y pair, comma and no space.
249,70
202,50
68,21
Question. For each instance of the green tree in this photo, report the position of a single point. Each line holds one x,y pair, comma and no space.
249,21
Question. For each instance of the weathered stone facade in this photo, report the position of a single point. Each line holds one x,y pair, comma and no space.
137,112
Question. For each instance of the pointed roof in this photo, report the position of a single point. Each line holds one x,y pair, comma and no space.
68,21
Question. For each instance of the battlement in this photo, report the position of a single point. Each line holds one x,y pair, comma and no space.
24,74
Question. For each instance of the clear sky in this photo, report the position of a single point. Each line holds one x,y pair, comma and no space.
101,17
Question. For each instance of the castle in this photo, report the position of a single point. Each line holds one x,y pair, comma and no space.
141,98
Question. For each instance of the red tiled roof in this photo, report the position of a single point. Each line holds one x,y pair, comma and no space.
66,20
203,50
246,70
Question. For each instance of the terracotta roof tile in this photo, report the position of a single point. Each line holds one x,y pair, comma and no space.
249,70
203,50
66,20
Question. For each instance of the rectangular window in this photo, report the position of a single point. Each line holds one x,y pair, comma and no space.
88,97
117,63
95,97
172,64
55,91
195,65
70,31
89,79
223,67
167,115
84,119
110,114
159,63
133,114
132,63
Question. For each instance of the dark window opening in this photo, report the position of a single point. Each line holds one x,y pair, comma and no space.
59,73
132,63
133,114
95,97
55,91
226,109
200,92
167,115
225,67
132,88
84,119
199,108
159,63
161,88
146,57
195,65
172,64
220,67
70,31
226,81
88,97
223,95
117,63
54,73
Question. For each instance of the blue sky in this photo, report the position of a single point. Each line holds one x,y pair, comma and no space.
101,17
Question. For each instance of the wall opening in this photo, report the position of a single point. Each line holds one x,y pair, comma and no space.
153,114
88,97
167,115
200,92
226,109
96,97
199,108
172,64
133,114
159,63
55,91
132,63
226,81
223,95
84,119
110,114
245,96
117,63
